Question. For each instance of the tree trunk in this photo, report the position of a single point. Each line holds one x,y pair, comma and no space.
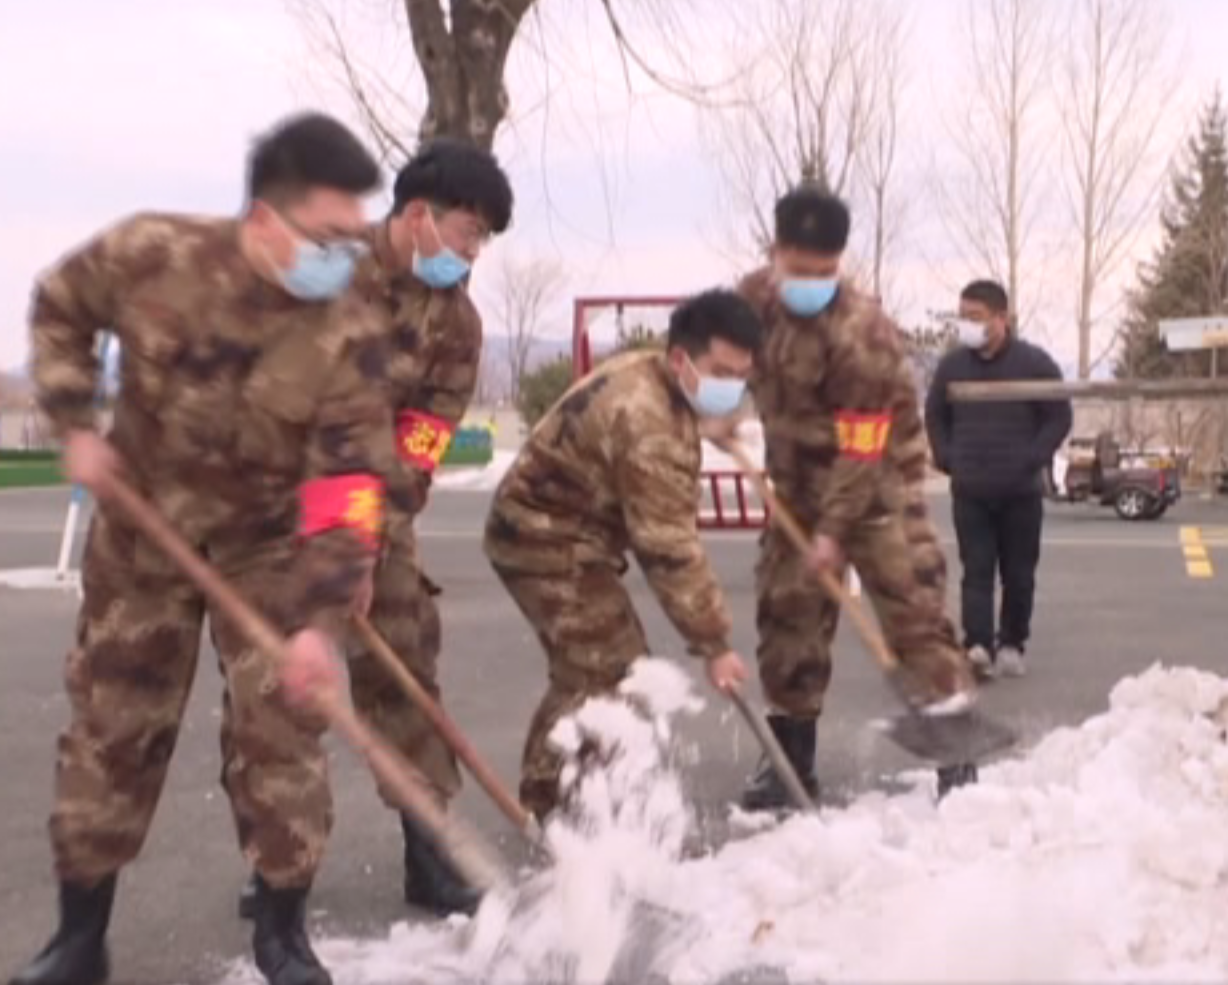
1013,150
463,67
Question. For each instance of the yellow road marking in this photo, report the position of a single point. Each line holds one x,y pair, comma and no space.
1214,535
1194,548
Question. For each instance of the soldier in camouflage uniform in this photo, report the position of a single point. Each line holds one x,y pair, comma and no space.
832,385
614,466
252,414
447,202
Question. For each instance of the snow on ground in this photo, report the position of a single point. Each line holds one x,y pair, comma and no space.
1099,855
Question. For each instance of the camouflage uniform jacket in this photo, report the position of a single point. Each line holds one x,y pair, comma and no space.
839,406
434,356
236,399
614,466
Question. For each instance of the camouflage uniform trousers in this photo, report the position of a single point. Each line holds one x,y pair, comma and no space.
128,677
404,613
591,634
903,572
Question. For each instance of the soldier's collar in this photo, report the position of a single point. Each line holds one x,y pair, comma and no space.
385,267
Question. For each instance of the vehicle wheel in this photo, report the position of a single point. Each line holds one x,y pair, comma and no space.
1157,510
1133,504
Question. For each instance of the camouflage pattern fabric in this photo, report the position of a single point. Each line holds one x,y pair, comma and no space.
797,621
612,469
128,676
591,635
435,349
233,395
844,449
434,345
405,614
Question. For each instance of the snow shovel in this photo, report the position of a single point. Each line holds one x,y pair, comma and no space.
780,762
949,739
462,845
510,807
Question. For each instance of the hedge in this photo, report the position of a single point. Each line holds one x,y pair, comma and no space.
26,469
470,446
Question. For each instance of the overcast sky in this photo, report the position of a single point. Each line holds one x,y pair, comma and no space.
112,106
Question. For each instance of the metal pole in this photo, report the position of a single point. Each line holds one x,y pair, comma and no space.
78,495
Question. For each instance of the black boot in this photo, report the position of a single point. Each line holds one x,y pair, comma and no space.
247,899
952,777
431,880
766,791
279,941
77,954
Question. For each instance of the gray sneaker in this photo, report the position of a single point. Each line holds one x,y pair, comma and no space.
1010,662
982,661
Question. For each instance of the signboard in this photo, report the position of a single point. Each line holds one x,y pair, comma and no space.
1187,334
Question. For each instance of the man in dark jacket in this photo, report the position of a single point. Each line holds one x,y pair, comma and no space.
995,454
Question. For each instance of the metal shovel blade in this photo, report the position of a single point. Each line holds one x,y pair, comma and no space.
969,737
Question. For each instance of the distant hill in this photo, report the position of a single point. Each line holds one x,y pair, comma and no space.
496,374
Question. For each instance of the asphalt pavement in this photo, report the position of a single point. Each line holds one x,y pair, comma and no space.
1113,598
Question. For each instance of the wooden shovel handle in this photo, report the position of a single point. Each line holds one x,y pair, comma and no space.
780,762
793,530
448,730
472,858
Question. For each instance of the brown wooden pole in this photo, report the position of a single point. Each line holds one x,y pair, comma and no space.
448,731
1007,390
793,530
471,856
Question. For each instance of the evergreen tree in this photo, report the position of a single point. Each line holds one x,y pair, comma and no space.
1188,277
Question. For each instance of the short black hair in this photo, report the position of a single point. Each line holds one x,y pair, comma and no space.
456,175
714,314
989,293
305,151
809,218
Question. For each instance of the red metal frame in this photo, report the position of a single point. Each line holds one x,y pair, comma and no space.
712,483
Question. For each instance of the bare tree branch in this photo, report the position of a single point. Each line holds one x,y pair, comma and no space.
811,92
886,73
991,190
524,292
1114,97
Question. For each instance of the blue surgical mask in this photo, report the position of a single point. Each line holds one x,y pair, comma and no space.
320,271
716,396
807,296
442,270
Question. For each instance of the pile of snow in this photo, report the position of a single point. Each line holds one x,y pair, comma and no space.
482,479
1100,855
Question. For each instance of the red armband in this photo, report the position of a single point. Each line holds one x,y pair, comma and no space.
862,436
422,439
355,501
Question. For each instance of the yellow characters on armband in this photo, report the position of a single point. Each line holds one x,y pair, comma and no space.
354,501
862,436
423,439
